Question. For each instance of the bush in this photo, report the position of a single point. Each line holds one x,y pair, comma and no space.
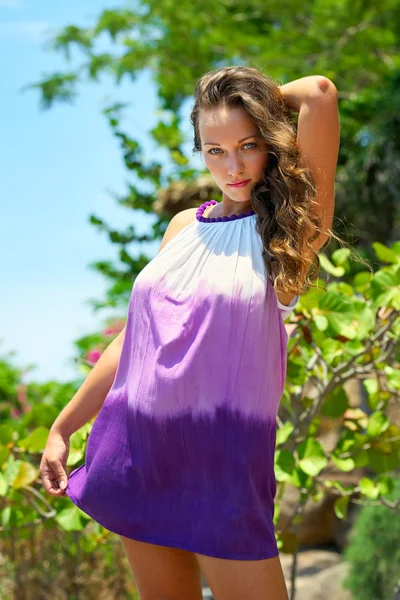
374,552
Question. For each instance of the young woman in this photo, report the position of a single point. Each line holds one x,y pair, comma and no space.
180,459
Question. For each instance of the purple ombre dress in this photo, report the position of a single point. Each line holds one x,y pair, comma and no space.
181,453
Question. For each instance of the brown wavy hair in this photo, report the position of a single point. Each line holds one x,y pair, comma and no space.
284,199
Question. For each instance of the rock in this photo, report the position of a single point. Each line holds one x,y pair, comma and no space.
320,574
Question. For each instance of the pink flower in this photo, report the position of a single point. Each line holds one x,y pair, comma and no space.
110,331
114,329
93,356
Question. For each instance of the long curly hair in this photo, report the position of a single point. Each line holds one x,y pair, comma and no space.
284,199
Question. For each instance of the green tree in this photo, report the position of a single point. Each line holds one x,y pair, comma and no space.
355,45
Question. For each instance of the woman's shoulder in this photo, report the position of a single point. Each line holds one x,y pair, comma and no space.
179,221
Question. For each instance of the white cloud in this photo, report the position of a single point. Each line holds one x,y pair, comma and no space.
24,31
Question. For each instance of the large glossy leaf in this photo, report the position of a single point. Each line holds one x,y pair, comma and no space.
329,267
69,519
35,441
377,423
312,458
26,475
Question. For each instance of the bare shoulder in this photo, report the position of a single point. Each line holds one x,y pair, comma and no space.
178,222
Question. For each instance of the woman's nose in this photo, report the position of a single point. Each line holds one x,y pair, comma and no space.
235,166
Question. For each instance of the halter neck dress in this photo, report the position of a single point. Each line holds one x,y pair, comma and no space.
181,453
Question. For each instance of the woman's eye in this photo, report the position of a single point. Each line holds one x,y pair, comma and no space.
211,151
251,144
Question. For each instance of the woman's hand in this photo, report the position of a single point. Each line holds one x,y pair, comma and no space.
53,464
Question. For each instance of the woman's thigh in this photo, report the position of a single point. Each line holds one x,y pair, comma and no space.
239,579
162,573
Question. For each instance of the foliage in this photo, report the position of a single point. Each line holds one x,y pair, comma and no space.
355,45
46,562
374,552
35,531
348,332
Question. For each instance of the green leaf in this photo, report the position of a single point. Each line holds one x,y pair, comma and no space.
340,287
343,464
361,459
377,423
385,485
3,486
385,254
69,519
12,468
6,434
383,463
311,298
340,256
361,281
371,385
284,465
36,441
74,456
343,314
321,322
340,506
329,267
383,279
312,457
300,479
4,453
331,349
283,433
393,377
297,373
6,516
26,475
367,487
387,298
336,403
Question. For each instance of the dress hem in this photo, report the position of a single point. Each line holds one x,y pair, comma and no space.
183,546
179,545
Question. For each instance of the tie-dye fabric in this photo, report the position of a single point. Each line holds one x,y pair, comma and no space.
181,453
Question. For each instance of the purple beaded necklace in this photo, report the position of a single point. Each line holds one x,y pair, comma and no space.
202,208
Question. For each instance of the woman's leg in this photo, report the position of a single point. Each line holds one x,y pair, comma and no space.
244,579
162,573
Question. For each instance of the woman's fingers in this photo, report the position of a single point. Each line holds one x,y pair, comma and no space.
53,464
54,479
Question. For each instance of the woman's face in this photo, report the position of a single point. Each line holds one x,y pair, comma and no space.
232,149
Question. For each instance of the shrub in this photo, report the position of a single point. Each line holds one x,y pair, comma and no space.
374,552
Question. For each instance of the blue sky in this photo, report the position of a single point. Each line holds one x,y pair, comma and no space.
58,167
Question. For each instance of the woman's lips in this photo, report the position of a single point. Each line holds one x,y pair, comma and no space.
240,184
